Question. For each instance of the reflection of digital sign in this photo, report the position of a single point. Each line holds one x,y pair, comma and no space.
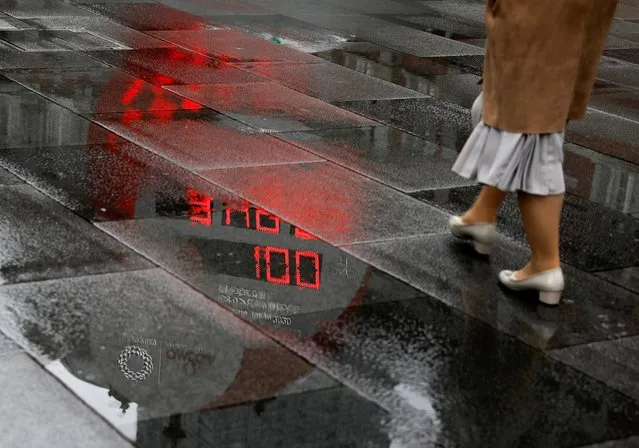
276,265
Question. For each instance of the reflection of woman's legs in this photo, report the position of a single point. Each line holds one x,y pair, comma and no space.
486,207
541,216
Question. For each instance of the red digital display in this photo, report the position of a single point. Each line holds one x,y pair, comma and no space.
275,265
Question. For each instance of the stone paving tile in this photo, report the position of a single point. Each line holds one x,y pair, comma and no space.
616,363
379,7
55,40
174,66
6,178
202,140
601,179
627,12
7,346
607,134
38,411
628,55
415,358
29,120
632,442
331,202
106,182
616,100
43,240
219,258
628,278
150,16
593,237
455,28
233,46
271,107
103,27
287,30
11,23
12,59
76,327
433,79
619,72
26,9
100,91
449,270
445,124
393,157
205,8
330,82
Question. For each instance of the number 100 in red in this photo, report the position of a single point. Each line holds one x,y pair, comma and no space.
273,264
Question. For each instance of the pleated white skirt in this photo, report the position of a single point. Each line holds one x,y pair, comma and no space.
532,163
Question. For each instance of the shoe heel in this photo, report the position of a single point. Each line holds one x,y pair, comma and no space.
550,297
483,248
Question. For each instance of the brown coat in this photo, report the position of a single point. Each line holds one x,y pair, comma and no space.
541,61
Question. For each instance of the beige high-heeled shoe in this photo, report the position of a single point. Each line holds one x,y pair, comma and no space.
550,284
484,236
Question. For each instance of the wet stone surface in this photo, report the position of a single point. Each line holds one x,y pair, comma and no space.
168,66
424,369
330,202
203,140
439,122
232,46
449,269
185,361
593,237
271,107
398,159
52,242
100,90
30,121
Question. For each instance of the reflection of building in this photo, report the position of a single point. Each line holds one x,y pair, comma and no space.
23,111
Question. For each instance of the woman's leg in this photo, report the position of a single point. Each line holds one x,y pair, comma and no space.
541,216
486,207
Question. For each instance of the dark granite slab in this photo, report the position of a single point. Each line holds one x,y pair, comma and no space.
616,363
271,107
149,16
38,411
331,202
628,278
42,240
629,55
202,140
7,346
107,182
602,179
607,134
55,40
449,270
26,9
162,66
419,74
218,7
11,59
619,72
29,120
616,100
451,27
330,82
233,46
593,237
100,90
400,160
192,358
219,260
6,178
103,27
632,442
445,124
449,380
287,30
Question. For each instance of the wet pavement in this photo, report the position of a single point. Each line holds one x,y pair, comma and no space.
223,224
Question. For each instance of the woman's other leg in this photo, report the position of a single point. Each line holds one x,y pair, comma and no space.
486,207
541,216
